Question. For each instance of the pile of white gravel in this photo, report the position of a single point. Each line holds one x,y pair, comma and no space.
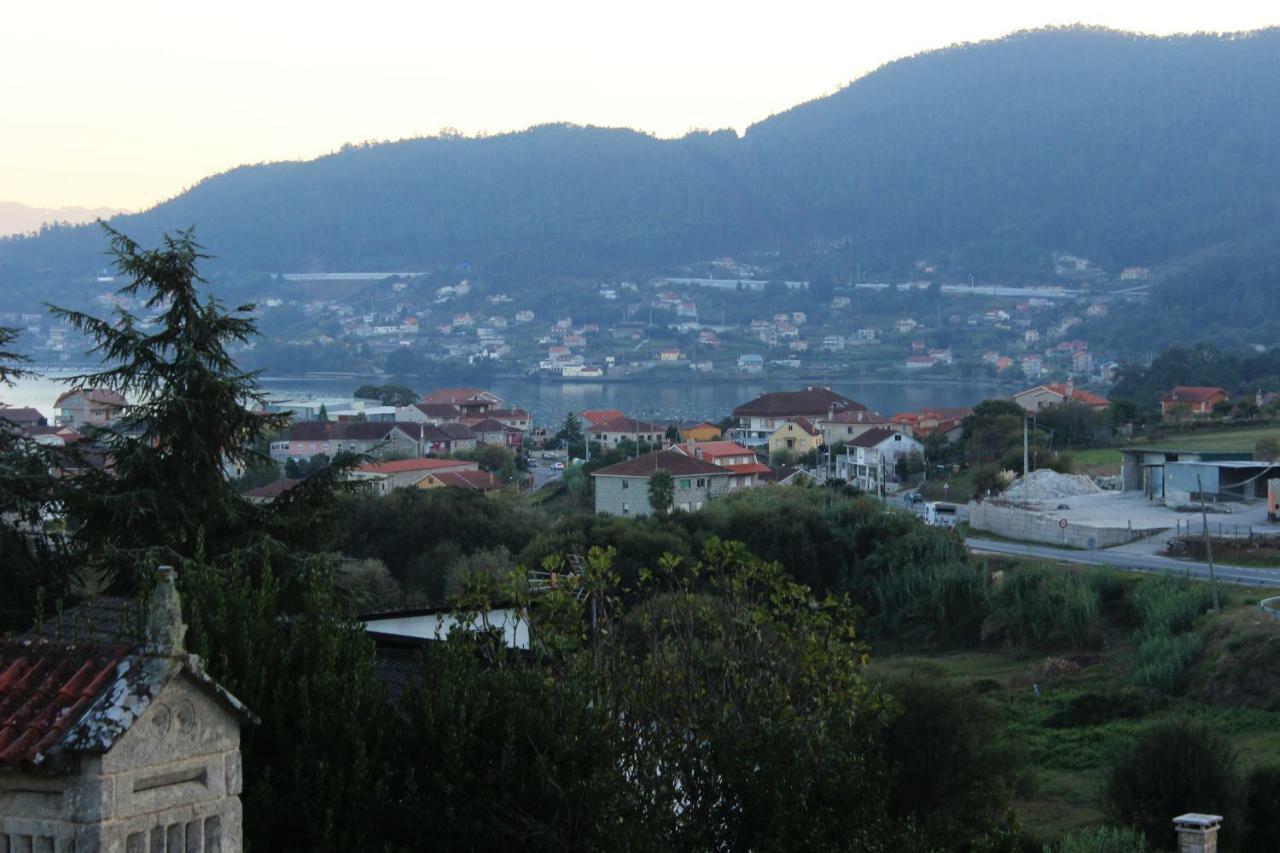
1048,485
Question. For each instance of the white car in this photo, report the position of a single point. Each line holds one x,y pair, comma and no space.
559,466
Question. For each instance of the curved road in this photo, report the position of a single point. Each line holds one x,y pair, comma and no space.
1133,562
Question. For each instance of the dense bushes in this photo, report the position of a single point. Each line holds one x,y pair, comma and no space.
420,533
1044,608
1172,768
1166,609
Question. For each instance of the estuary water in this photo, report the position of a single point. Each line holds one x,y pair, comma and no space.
690,399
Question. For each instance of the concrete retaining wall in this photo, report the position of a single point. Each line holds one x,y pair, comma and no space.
1015,523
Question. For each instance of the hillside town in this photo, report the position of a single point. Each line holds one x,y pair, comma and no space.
731,322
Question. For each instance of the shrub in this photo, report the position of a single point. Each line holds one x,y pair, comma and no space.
1101,839
1262,810
1163,661
1172,768
1094,709
1169,605
953,772
1044,608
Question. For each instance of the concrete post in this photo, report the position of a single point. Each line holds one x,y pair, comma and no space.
1198,833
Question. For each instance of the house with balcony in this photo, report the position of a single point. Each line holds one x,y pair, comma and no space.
870,461
87,408
757,420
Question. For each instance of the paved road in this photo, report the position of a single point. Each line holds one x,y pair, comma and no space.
1136,562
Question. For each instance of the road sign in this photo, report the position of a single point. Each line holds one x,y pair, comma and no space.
1062,522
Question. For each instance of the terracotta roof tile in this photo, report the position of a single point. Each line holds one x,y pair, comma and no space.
481,481
672,461
45,688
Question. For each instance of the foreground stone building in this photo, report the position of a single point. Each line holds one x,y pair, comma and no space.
118,748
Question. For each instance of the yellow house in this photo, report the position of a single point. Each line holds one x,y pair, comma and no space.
701,432
796,435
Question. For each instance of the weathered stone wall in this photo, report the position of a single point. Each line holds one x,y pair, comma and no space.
1027,525
172,782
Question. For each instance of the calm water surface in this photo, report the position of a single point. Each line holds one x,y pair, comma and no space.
692,400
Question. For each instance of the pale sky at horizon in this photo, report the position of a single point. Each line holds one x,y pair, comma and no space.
128,103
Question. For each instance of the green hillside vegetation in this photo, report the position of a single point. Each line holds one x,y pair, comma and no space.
984,158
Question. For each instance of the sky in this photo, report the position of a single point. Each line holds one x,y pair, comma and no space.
125,104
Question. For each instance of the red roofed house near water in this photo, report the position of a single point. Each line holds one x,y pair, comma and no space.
1043,396
118,746
758,419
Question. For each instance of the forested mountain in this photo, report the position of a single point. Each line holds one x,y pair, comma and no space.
1130,150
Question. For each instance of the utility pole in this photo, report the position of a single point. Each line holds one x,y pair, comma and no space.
1208,546
1025,445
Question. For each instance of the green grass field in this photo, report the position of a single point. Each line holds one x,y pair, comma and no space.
1227,439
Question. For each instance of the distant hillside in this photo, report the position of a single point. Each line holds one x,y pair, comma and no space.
18,218
983,158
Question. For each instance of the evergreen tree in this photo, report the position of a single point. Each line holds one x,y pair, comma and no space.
31,554
193,415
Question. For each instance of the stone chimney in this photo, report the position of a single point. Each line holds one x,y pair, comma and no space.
1198,833
165,631
1071,388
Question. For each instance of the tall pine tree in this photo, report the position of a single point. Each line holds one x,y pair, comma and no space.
193,416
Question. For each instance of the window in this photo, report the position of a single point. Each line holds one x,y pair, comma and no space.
701,483
626,484
626,508
684,484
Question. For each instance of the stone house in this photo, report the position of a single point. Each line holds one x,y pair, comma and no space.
623,489
112,747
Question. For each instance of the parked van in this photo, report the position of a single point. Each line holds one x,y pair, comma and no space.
940,513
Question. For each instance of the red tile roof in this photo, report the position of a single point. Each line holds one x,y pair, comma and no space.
599,416
1080,396
625,425
481,481
715,449
673,462
45,688
750,468
811,401
457,396
1191,394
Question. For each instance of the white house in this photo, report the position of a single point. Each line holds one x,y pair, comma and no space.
870,459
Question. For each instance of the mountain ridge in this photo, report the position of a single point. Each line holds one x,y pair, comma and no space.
983,157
